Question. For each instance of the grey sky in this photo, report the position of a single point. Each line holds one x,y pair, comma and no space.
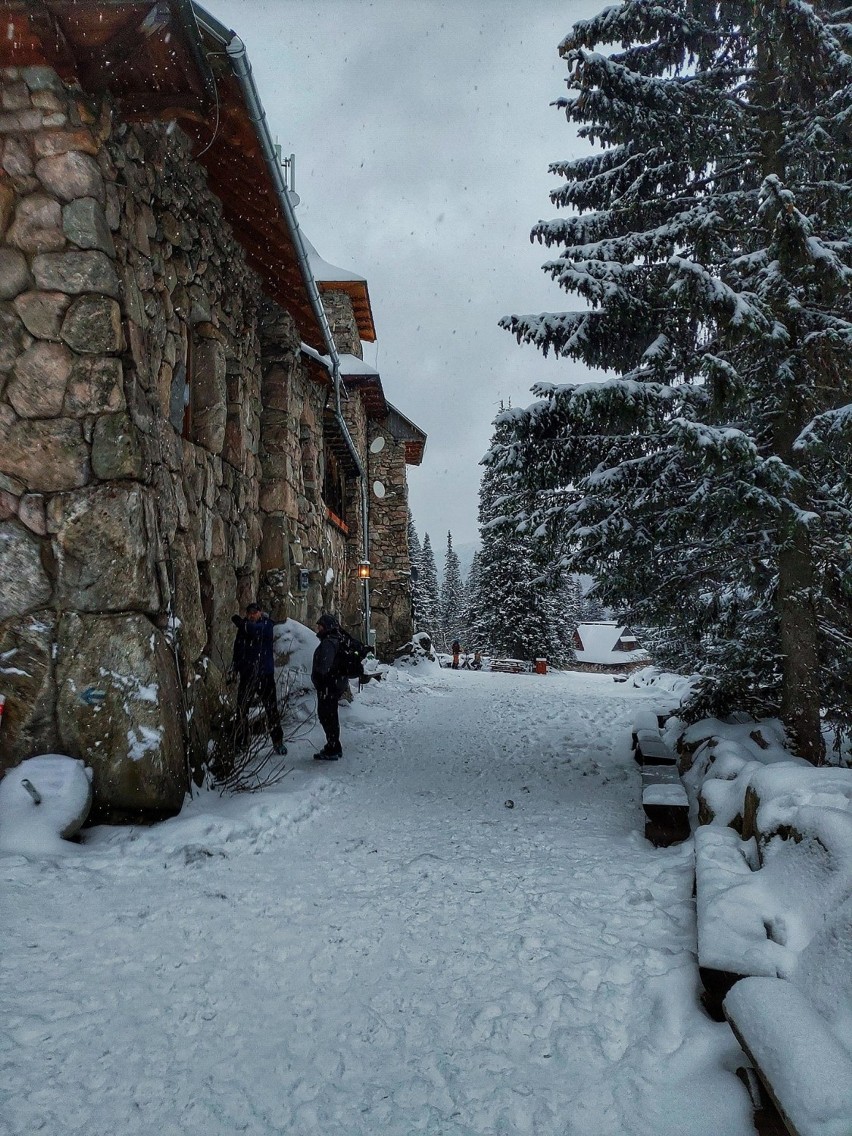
423,132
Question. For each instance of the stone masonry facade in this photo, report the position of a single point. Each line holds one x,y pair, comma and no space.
161,451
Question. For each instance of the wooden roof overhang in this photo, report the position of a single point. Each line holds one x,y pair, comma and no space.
369,387
153,58
404,430
360,296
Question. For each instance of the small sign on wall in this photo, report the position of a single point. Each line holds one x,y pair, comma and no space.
303,579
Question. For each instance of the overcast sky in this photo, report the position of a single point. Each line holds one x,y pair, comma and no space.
423,132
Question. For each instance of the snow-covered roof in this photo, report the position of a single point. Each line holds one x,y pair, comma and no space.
331,278
323,271
599,642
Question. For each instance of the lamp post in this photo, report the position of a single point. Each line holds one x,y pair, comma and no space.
364,574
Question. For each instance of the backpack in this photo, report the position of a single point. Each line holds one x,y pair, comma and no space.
349,660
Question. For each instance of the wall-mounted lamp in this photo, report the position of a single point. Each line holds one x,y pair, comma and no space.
364,570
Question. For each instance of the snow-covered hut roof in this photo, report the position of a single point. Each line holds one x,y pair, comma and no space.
606,643
330,278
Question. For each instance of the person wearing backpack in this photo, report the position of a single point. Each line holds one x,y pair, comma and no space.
330,681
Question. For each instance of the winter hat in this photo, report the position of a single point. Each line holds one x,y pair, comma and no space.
252,607
329,622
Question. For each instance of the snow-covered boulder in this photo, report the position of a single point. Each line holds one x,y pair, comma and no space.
418,650
294,653
43,801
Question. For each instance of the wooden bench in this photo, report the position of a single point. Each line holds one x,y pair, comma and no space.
801,1064
743,885
652,750
510,666
665,804
664,798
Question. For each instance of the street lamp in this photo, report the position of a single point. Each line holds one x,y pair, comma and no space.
364,570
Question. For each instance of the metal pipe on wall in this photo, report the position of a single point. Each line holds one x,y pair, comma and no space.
241,67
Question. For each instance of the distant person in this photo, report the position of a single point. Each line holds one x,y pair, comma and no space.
254,663
456,649
330,685
476,663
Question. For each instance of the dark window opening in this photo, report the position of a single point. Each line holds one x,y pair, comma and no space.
334,487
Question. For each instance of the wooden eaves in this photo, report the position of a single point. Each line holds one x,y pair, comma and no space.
158,65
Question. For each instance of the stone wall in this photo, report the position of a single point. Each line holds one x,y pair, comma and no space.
160,447
390,590
161,451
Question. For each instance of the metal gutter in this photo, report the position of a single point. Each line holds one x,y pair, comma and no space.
236,52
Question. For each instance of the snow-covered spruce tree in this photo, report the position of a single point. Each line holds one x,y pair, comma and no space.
415,556
427,586
472,604
452,596
519,610
711,247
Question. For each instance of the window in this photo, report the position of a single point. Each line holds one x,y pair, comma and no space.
334,488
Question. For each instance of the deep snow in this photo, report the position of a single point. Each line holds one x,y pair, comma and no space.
379,946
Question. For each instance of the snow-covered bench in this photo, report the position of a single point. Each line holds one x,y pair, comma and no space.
665,804
758,901
797,1032
510,666
653,750
664,798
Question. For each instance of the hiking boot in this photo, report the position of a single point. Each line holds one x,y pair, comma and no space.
326,754
281,749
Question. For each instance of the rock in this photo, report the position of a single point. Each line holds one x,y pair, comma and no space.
7,204
46,456
38,224
76,272
21,121
50,142
92,326
71,175
24,584
116,450
15,96
37,387
32,514
42,79
12,337
105,547
17,160
85,225
8,505
42,312
14,273
209,395
36,825
186,600
94,387
119,705
26,675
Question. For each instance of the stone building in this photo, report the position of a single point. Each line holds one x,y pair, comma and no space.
183,421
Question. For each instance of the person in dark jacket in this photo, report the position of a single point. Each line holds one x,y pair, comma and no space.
254,663
329,685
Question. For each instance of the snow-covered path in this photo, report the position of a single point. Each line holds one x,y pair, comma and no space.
380,946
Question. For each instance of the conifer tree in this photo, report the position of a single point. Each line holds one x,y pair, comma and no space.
519,610
473,603
710,242
452,596
430,608
415,556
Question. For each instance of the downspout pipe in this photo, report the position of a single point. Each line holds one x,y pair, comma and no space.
238,58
